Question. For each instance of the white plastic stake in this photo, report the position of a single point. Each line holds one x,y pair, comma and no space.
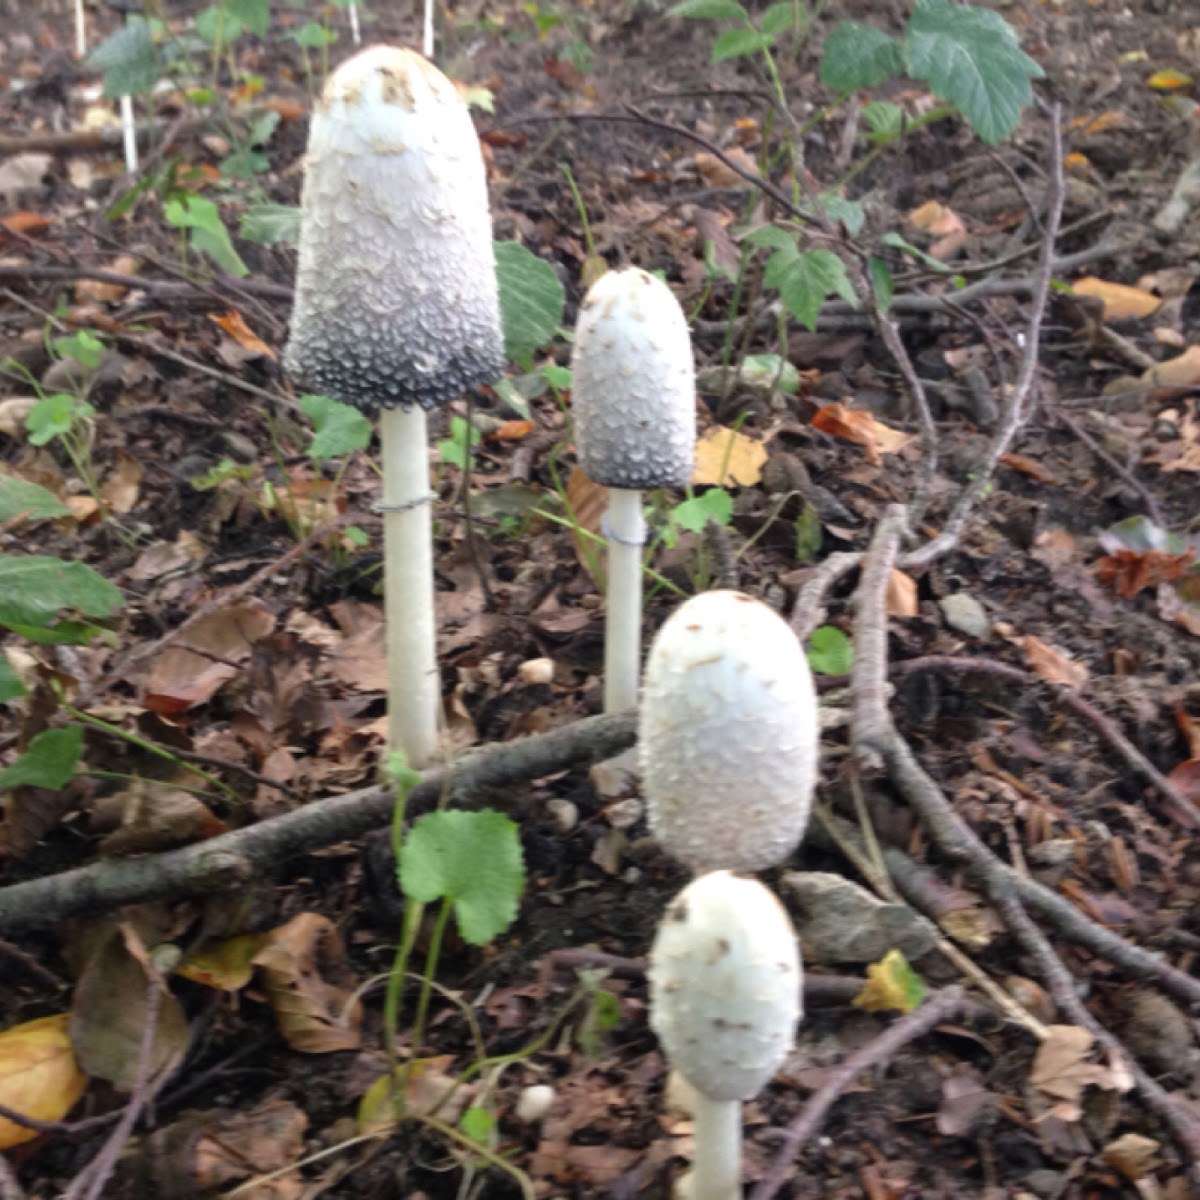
80,31
427,31
355,32
129,130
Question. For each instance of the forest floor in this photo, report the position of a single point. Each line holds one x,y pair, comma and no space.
1037,798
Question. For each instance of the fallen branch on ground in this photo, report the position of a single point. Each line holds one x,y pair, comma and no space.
232,859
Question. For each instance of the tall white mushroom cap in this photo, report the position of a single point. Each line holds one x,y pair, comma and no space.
633,384
396,294
725,985
728,734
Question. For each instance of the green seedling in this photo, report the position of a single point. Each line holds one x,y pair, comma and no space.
830,651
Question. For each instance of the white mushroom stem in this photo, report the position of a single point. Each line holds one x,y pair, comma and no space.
355,32
414,695
717,1159
129,131
80,31
625,528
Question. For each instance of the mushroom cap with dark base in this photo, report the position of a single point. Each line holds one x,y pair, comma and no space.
396,295
633,384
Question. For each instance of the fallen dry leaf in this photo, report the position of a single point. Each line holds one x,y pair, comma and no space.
588,502
1061,1070
122,486
1051,664
715,173
726,458
1028,466
235,325
27,223
874,436
39,1076
901,597
1121,302
1174,377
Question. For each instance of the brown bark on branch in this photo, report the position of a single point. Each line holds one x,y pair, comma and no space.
233,858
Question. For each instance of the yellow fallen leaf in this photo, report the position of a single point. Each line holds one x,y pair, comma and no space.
38,1075
1169,80
1121,302
892,985
725,458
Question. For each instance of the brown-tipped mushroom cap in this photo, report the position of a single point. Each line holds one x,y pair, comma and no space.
396,297
725,985
633,384
727,734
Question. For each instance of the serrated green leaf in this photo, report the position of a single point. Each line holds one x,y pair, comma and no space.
778,18
830,651
971,57
20,498
11,686
129,60
693,515
859,56
849,212
737,43
49,762
271,224
803,280
472,859
881,281
771,237
884,120
34,590
532,299
709,10
340,428
254,14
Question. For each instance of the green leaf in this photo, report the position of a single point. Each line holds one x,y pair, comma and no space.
254,14
714,505
531,301
849,212
340,428
472,859
456,449
84,347
220,249
709,10
805,278
761,371
778,18
55,416
312,36
508,391
737,43
881,281
971,57
217,24
271,224
897,242
771,237
808,534
830,651
35,590
11,686
20,498
262,128
49,762
244,163
557,377
884,120
478,1124
859,56
207,231
128,59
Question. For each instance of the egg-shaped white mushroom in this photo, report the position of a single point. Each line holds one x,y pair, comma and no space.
396,296
728,734
633,384
725,979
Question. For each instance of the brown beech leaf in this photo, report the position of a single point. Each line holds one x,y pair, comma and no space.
1051,664
874,436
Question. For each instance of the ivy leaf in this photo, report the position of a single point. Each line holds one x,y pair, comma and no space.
340,428
803,280
472,859
49,762
971,58
859,56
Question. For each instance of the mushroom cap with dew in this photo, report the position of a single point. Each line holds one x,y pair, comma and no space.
633,384
396,295
725,985
728,733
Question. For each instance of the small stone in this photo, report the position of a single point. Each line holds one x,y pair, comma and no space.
536,670
535,1102
966,615
563,813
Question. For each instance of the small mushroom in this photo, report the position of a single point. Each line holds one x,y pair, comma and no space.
724,1001
728,735
634,398
397,308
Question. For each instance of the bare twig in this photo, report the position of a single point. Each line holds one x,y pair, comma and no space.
912,1025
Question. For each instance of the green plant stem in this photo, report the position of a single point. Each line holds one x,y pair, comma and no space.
588,242
431,958
934,114
149,747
